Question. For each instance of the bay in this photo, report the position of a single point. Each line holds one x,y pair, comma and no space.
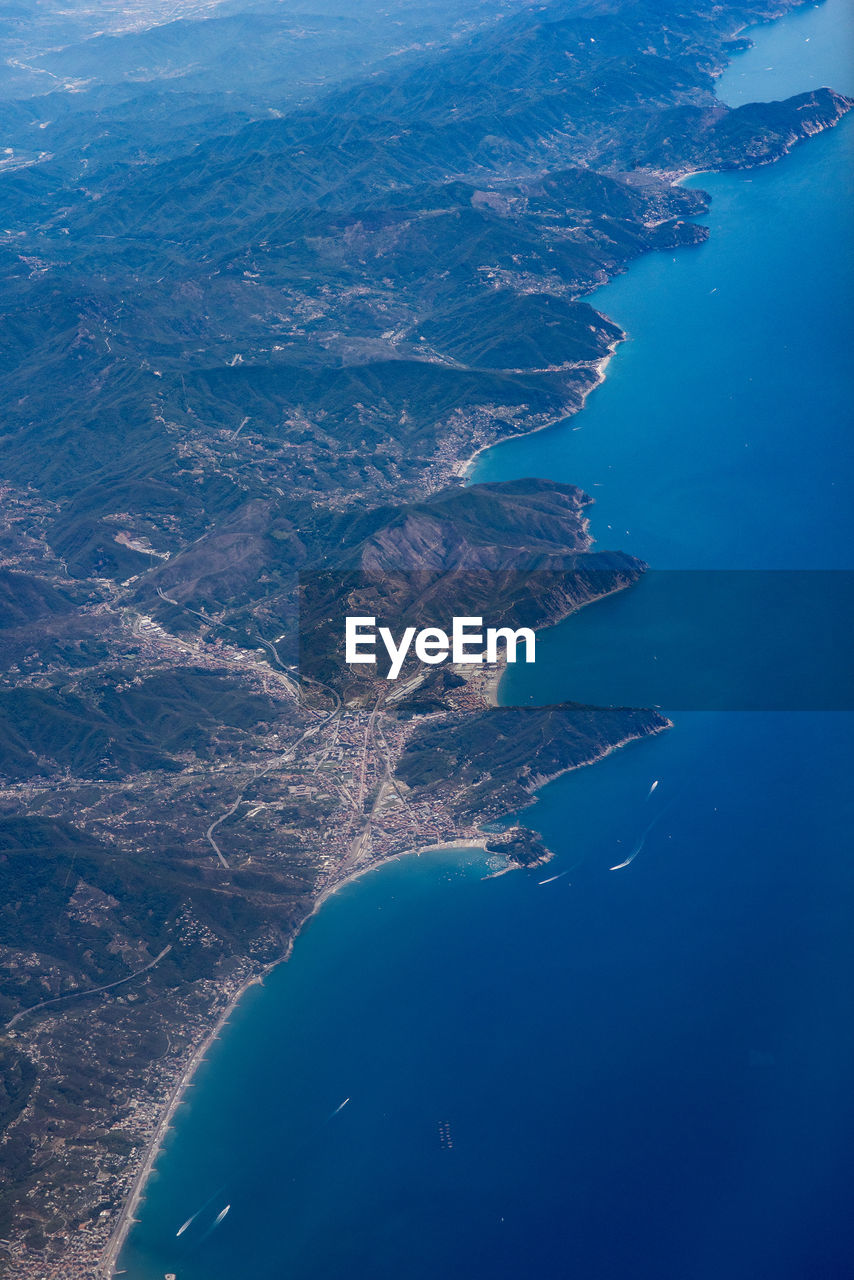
642,1073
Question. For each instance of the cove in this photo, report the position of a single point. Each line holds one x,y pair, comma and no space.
641,1074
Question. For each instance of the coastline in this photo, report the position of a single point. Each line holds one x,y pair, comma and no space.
108,1261
106,1266
543,780
127,1219
128,1208
462,468
110,1256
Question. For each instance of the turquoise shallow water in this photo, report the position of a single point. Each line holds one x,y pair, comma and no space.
644,1073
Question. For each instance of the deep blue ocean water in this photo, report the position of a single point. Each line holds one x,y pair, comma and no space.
644,1074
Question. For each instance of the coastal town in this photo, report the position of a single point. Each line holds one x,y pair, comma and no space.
270,283
319,792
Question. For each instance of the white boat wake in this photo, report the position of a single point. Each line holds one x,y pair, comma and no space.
642,840
634,853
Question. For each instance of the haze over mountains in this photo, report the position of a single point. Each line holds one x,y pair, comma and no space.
149,76
269,275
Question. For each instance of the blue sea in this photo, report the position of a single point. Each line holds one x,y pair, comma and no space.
642,1074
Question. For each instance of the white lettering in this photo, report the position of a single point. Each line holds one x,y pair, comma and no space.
353,639
397,653
463,636
510,638
431,645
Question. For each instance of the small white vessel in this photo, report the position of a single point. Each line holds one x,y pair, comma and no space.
634,853
559,876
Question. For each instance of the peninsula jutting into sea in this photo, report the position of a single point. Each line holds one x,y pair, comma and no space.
277,279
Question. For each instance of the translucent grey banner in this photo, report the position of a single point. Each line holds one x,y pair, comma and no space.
677,640
705,640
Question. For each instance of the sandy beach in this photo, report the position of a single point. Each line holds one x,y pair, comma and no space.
490,688
126,1220
109,1259
464,466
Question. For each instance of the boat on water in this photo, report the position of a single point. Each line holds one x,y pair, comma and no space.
559,876
634,853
